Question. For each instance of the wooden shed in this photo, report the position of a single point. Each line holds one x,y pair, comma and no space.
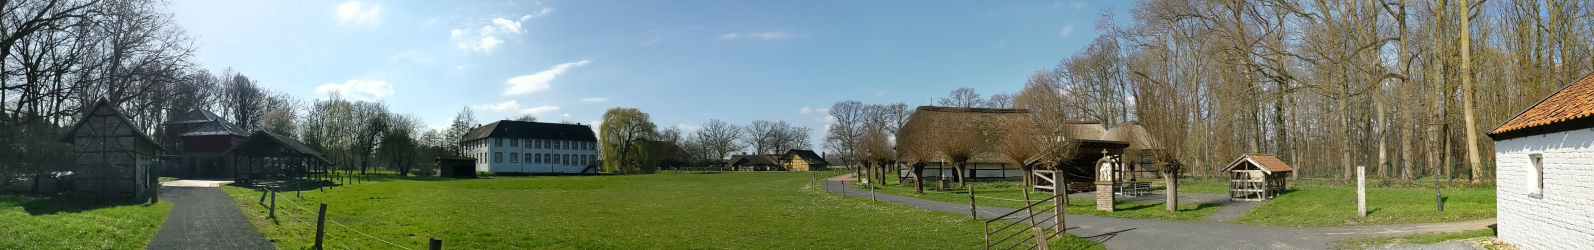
266,156
754,162
1257,177
113,159
456,167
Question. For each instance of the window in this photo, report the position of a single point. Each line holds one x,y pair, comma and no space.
514,142
555,159
1537,175
528,158
498,142
564,145
498,157
539,144
539,158
514,158
528,143
567,160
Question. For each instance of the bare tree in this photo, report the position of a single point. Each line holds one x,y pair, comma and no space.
721,138
964,97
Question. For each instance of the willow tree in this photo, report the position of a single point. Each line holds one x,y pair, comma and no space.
621,136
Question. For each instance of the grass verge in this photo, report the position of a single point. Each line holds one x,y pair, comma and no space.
1007,191
1416,239
1319,206
33,223
736,210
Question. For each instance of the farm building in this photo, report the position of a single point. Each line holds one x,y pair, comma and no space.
933,136
1138,158
195,142
1257,177
268,156
456,167
754,162
113,158
1543,168
803,160
518,147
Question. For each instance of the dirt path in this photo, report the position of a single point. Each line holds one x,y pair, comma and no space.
204,217
1118,233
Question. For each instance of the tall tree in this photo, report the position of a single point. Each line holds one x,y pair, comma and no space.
620,134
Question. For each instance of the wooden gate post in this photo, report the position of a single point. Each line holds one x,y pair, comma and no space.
273,205
972,208
435,244
1361,191
320,225
1059,201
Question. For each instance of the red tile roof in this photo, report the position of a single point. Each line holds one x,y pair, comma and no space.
1572,102
1267,161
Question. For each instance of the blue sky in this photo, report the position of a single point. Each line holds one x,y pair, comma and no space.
683,62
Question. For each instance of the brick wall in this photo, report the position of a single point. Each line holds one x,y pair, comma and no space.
1564,217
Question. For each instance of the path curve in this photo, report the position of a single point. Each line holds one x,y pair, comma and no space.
204,217
1120,233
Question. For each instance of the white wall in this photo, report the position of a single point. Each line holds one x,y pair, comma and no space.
484,150
1564,217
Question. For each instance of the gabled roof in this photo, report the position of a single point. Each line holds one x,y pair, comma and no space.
752,160
70,135
195,116
930,126
262,142
1267,162
1083,130
1574,101
532,130
807,155
217,127
1131,133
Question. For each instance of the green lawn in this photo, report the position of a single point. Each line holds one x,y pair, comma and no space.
672,211
30,223
1417,239
1317,206
1013,191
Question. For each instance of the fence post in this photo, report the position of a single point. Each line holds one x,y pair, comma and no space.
1059,200
1040,238
273,205
972,207
1361,191
871,191
435,244
320,225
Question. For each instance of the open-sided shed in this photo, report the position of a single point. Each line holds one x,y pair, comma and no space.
456,167
113,158
265,155
1257,177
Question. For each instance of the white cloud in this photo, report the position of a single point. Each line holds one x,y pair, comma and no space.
772,35
538,81
882,93
354,13
826,119
1077,4
1066,31
805,110
823,110
539,110
687,128
492,34
730,36
566,115
358,89
500,107
594,99
461,67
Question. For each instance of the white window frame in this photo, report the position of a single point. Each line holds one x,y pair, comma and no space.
1536,176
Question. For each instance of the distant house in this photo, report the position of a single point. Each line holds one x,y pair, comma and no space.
1543,169
754,162
113,159
195,141
518,147
803,160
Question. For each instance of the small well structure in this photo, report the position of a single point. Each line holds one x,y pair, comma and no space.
1257,177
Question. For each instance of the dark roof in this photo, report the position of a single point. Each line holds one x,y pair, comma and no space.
752,160
217,127
532,130
807,155
1574,101
195,116
1266,161
262,142
103,103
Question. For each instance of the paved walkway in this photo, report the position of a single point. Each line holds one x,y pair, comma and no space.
1119,233
204,217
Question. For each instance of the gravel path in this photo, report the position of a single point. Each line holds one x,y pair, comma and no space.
205,218
1119,233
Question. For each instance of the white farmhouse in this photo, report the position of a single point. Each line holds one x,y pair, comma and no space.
1545,176
517,147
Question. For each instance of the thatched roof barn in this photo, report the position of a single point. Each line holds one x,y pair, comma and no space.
926,136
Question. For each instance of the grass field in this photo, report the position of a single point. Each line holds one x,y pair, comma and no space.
670,211
29,223
1336,206
1417,239
1013,191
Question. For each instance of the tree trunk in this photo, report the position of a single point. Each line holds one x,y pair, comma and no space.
1172,192
961,165
1467,91
918,179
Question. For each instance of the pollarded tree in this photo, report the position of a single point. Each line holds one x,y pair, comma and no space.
620,135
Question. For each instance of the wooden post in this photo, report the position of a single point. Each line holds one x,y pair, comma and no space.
273,204
1059,201
320,225
972,208
1027,211
1361,191
435,244
871,191
1040,238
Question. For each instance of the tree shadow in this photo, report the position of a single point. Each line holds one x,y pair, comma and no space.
57,205
1103,238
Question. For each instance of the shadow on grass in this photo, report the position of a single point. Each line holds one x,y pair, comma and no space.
56,205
